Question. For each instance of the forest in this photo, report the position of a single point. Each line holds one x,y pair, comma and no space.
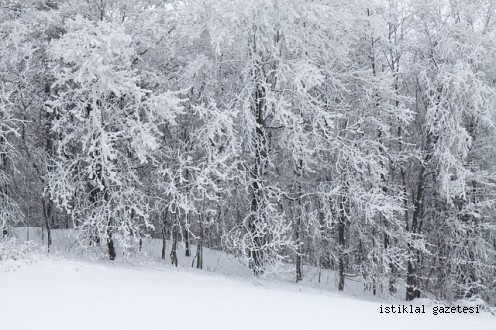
356,136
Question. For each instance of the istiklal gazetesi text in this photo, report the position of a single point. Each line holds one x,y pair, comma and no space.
410,309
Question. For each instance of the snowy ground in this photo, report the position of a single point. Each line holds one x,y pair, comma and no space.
72,295
214,261
62,292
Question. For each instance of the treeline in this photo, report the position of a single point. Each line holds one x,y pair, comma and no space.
354,136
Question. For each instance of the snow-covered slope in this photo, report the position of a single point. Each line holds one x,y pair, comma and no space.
60,294
60,291
64,242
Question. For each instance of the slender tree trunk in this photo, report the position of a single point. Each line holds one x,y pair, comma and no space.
392,276
47,203
186,242
341,245
110,240
163,243
299,251
3,165
412,290
47,213
110,243
199,248
412,282
324,258
164,233
259,145
256,253
298,214
173,254
3,153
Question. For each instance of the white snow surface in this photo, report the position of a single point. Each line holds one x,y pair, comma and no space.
56,293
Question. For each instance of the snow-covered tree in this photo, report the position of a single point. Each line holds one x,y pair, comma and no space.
354,136
453,90
107,127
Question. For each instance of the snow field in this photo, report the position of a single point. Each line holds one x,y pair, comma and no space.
60,294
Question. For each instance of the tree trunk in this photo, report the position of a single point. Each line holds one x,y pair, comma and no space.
256,253
110,240
47,213
341,245
186,242
297,223
199,249
392,268
256,172
110,244
173,254
299,249
164,233
3,165
163,243
298,266
341,229
412,290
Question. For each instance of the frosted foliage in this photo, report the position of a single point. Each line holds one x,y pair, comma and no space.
350,137
99,56
285,66
108,126
10,212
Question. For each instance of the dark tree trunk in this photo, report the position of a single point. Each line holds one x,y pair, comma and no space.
374,262
47,203
3,165
47,212
412,290
173,254
110,244
256,254
324,257
341,256
299,248
298,266
163,243
259,146
164,233
3,154
392,268
187,253
110,240
199,249
341,245
297,224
